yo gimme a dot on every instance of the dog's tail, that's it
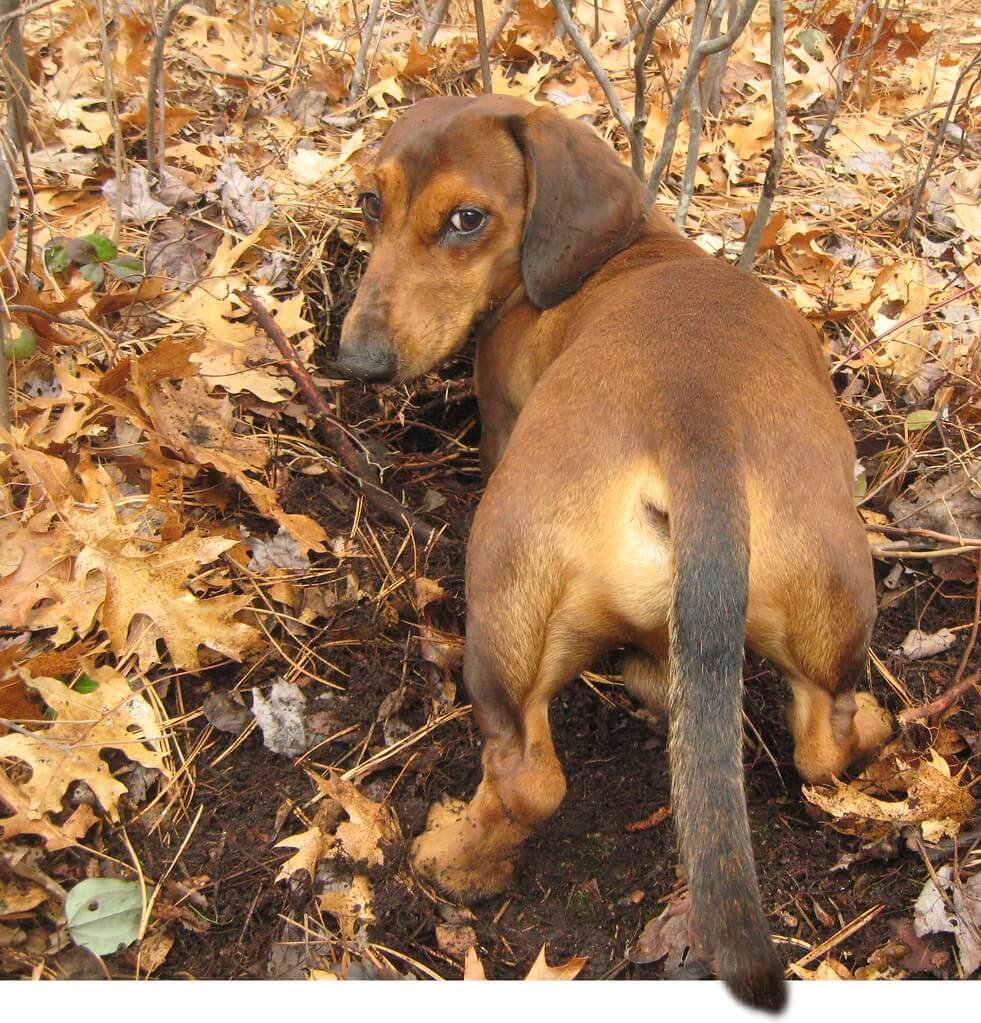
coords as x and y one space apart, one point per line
710 538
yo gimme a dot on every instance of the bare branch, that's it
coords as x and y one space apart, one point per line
593 64
654 19
112 107
840 74
694 120
939 140
432 25
155 89
716 69
482 49
19 12
366 33
778 95
496 32
13 61
704 49
4 391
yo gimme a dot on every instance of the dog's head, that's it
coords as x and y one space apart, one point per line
467 200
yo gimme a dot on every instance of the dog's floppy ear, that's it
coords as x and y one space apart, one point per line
584 205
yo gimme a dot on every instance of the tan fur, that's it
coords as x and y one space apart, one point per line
616 392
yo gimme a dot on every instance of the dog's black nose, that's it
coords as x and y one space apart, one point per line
369 361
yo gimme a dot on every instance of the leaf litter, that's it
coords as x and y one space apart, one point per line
175 531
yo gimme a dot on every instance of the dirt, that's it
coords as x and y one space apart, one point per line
587 883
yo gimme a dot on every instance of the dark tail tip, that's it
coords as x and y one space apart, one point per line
760 986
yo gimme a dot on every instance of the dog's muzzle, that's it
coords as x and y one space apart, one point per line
368 361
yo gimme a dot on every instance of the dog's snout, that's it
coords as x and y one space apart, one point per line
371 360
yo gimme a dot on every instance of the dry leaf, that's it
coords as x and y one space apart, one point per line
934 800
310 848
369 824
568 970
952 907
112 716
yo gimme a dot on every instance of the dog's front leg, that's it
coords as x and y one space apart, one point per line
497 412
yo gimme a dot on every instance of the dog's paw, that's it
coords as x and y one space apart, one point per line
873 725
451 855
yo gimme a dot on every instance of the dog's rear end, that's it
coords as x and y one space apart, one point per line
678 481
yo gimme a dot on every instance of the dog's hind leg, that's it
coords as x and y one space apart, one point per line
469 850
646 678
823 652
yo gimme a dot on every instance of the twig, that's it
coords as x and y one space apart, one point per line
937 144
715 72
927 534
705 49
593 64
4 391
432 26
778 96
366 33
502 22
903 323
19 12
155 89
337 437
495 34
836 939
640 86
694 120
942 702
112 106
840 75
482 47
973 638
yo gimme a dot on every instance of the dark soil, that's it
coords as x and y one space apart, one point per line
587 884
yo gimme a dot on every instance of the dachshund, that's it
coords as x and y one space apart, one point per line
667 472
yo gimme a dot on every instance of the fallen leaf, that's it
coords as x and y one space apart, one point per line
934 800
952 907
104 914
310 848
281 718
370 825
666 936
112 716
18 895
137 205
918 644
568 970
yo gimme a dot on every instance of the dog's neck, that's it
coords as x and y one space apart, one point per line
517 342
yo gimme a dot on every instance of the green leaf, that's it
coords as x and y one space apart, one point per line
104 247
104 914
126 268
23 346
56 258
85 685
93 272
920 420
811 40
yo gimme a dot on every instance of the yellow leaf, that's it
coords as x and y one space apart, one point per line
310 846
112 716
569 970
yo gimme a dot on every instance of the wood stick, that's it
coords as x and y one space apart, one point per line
337 435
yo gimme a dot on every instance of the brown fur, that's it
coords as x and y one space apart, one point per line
668 472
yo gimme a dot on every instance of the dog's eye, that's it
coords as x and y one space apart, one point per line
467 221
371 206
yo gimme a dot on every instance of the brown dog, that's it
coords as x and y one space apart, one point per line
670 474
